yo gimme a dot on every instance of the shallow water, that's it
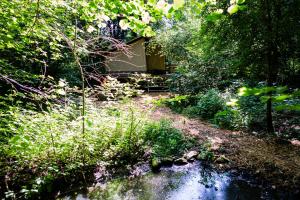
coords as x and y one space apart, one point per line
189 182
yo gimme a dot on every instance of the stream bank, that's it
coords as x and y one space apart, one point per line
191 181
268 159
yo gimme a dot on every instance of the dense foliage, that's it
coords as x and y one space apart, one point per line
216 43
234 111
66 39
44 144
212 44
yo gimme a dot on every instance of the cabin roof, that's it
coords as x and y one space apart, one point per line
134 40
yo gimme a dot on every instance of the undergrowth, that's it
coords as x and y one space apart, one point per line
166 140
50 145
231 111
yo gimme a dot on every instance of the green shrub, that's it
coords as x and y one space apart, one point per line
206 152
227 119
210 103
112 89
164 139
203 105
191 111
183 82
176 103
253 112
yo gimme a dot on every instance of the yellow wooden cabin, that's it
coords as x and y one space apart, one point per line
139 59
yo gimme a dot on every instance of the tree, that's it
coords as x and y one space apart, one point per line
251 40
273 38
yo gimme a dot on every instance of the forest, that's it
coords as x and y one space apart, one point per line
217 116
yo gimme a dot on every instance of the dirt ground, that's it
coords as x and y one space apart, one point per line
273 160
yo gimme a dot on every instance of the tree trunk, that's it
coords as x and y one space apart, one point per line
270 127
273 55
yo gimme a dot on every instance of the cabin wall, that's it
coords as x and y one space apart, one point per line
155 61
136 63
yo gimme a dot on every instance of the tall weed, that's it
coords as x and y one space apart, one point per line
51 144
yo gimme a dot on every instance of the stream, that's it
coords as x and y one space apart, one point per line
189 182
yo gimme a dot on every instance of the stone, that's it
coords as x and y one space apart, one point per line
168 162
101 96
147 154
155 164
191 155
199 157
180 161
295 142
222 159
91 189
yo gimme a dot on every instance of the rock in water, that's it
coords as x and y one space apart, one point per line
180 161
167 162
155 164
191 155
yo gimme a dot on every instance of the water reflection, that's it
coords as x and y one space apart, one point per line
176 183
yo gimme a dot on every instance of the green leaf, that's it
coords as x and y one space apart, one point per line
282 97
124 24
214 17
242 7
288 107
233 9
61 92
90 29
152 2
89 123
240 1
178 4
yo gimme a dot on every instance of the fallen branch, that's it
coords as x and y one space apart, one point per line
18 85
